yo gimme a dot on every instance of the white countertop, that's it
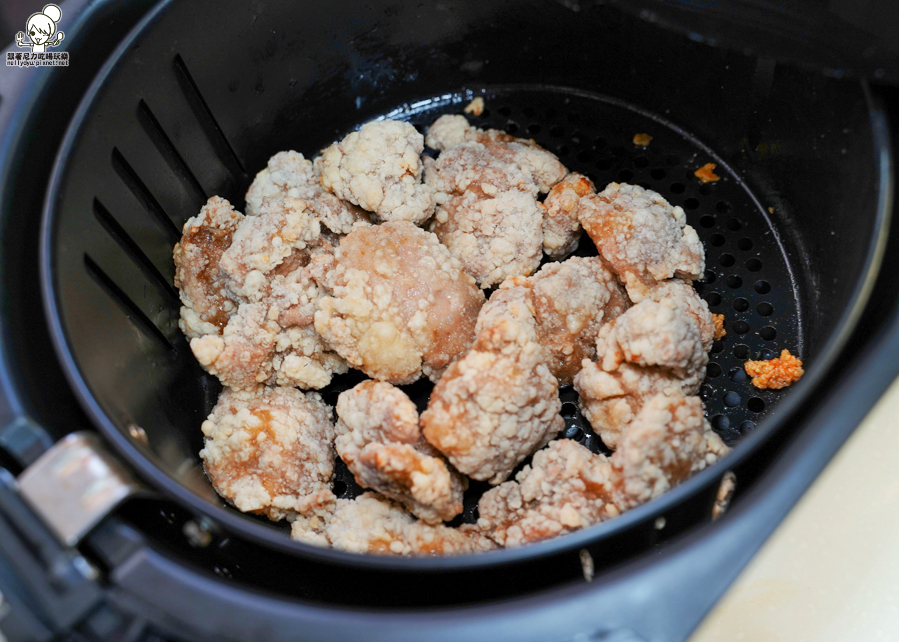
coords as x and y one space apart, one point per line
830 572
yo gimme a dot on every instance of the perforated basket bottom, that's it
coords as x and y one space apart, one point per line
747 279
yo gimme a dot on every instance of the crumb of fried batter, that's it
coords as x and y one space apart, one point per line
706 173
775 373
642 140
770 210
720 332
475 107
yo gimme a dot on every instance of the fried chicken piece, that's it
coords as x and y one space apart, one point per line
379 169
668 442
571 301
706 173
561 227
487 210
288 174
565 488
450 130
475 107
382 445
268 451
498 403
720 332
775 373
371 524
207 305
400 305
659 346
644 239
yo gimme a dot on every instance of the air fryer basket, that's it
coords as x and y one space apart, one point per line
195 101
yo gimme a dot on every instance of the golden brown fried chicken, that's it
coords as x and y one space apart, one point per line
382 445
400 305
566 487
487 210
207 305
379 169
658 346
371 524
268 451
776 373
561 227
571 300
644 239
499 403
288 174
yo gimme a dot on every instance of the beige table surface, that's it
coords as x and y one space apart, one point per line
830 572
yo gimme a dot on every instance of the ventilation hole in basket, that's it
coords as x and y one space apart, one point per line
723 207
556 132
603 164
640 162
705 190
511 128
765 309
534 129
709 276
625 176
619 151
713 299
339 488
705 221
679 188
569 409
717 347
746 426
727 260
768 333
753 265
740 327
766 354
731 399
741 304
720 422
762 287
672 161
644 185
745 244
658 173
733 281
713 370
530 112
706 391
734 225
691 204
755 404
717 240
585 156
741 351
737 375
573 432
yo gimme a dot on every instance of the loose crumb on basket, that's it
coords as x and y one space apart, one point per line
706 173
720 332
770 210
642 140
475 107
775 373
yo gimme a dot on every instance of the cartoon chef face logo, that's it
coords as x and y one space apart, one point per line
41 30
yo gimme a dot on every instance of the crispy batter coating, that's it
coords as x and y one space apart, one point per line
450 130
644 239
207 305
487 210
400 305
561 228
498 403
667 442
379 169
268 451
775 373
566 487
571 300
659 346
475 107
382 445
720 331
288 174
371 524
642 140
706 173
